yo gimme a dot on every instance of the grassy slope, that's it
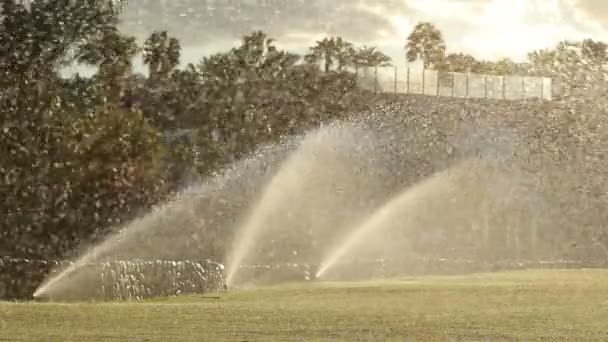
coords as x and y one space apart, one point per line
530 305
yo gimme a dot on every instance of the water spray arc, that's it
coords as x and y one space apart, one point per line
166 232
440 184
60 280
313 182
306 193
287 181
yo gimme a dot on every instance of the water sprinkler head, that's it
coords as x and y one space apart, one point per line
39 297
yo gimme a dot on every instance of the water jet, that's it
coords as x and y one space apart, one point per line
401 207
175 230
316 190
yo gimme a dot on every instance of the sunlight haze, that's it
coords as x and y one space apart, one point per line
486 29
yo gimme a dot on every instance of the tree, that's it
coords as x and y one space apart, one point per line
256 93
235 84
175 103
51 196
247 70
504 66
459 62
323 51
594 51
344 51
77 177
37 39
113 53
577 67
330 51
370 57
162 54
426 43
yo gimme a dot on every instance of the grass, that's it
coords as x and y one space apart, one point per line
548 305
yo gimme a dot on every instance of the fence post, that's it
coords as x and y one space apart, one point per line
542 88
376 80
453 81
395 80
523 87
466 88
437 85
423 80
504 95
407 81
485 86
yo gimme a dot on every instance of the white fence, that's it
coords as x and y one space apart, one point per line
453 84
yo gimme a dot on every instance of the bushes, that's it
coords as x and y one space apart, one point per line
116 280
70 177
19 278
148 279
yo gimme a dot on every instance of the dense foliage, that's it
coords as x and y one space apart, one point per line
82 155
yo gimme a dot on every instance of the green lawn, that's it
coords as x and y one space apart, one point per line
545 305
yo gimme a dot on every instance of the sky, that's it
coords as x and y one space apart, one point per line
493 29
487 29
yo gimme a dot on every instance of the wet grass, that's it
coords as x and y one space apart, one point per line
546 305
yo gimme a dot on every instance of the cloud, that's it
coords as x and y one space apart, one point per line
489 29
194 22
596 10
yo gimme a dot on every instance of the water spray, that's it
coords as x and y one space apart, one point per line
437 185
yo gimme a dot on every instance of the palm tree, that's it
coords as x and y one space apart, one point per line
258 53
426 43
323 51
344 52
370 57
329 51
162 54
113 53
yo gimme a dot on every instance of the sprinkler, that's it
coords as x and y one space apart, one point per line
312 273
